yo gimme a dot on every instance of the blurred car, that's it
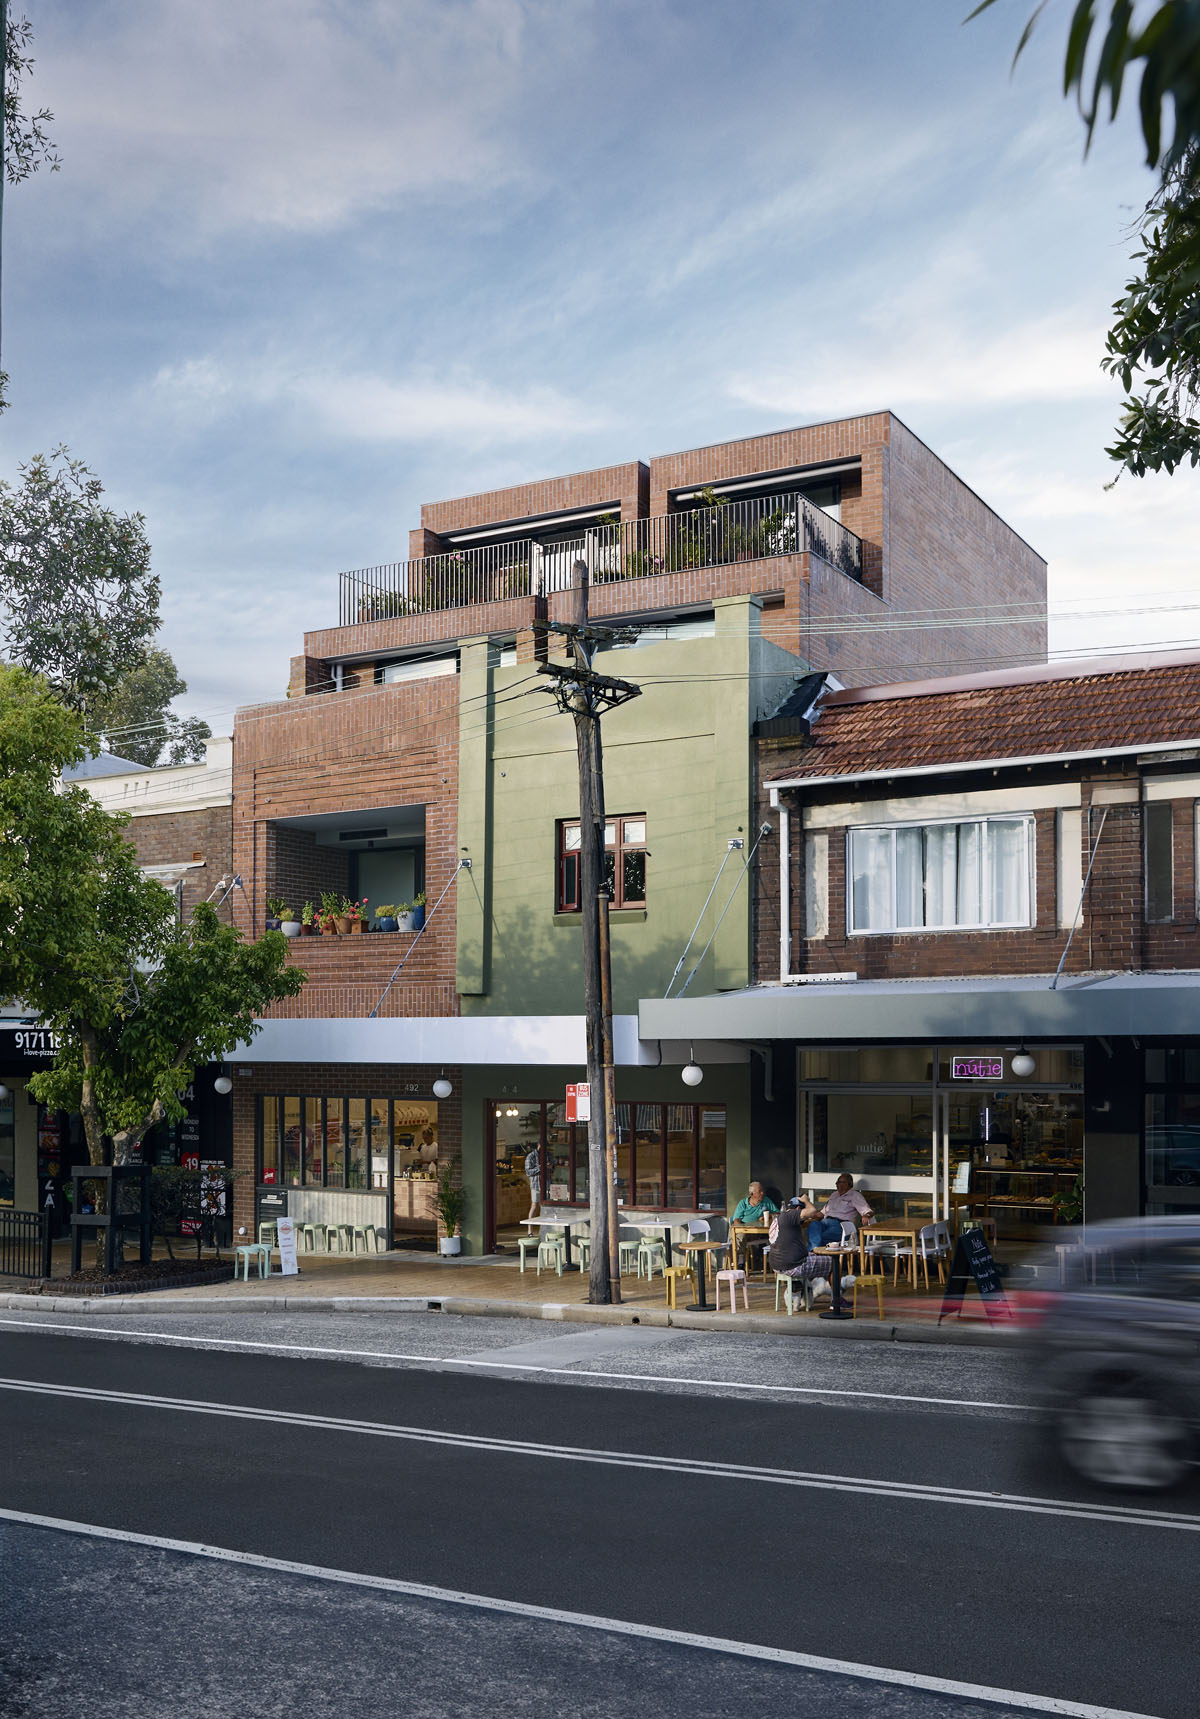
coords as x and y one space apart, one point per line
1116 1353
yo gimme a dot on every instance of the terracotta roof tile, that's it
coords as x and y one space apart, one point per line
872 733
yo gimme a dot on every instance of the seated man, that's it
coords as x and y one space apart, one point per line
754 1209
846 1204
790 1253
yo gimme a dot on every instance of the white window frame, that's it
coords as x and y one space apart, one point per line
894 930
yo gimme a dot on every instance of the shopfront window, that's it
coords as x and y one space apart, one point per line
1172 1164
866 1134
8 1151
351 1143
669 1156
268 1150
899 1065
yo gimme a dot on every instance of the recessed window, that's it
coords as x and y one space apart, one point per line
940 877
624 862
1160 882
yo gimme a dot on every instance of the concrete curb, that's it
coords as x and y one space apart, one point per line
970 1333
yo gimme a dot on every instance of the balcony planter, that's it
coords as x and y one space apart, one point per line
418 914
356 926
272 924
329 928
404 921
385 922
342 922
291 927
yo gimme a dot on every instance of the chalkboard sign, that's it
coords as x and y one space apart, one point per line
973 1259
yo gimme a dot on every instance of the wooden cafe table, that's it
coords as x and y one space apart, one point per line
700 1249
902 1229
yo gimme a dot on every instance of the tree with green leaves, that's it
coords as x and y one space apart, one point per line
138 1000
135 719
1153 346
24 141
78 601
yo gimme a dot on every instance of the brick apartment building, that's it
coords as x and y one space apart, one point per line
418 753
978 947
180 822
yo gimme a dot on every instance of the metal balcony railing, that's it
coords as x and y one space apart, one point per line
636 549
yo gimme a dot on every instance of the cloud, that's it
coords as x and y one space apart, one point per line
367 408
286 114
935 364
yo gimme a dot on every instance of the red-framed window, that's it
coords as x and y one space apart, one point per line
624 862
670 1157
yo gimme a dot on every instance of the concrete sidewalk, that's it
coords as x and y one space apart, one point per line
496 1287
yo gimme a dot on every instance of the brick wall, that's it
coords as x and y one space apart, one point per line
173 838
355 751
1113 934
625 487
334 1080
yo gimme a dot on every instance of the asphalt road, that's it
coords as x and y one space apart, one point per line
903 1528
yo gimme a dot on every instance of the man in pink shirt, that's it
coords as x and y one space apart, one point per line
846 1204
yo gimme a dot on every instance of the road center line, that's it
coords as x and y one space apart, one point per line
584 1620
248 1346
1129 1516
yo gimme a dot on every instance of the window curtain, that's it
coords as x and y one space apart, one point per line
871 879
910 880
941 874
1009 868
970 875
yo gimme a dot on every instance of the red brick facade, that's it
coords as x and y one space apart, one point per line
201 839
333 1080
930 545
1150 708
377 747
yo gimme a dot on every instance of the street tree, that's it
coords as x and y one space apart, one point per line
138 1000
78 601
1153 346
135 718
24 141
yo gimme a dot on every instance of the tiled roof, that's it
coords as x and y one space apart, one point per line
987 719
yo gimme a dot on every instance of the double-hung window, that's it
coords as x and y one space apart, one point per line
624 862
940 877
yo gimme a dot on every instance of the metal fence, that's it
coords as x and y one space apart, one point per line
24 1244
636 549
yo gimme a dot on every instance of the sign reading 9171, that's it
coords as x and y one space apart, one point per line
35 1042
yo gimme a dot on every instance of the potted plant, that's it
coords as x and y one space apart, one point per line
418 911
449 1202
385 916
308 920
356 911
276 908
404 916
331 905
288 923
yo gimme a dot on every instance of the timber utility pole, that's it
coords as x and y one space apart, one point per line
585 696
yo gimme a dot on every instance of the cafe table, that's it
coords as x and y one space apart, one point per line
899 1229
701 1249
746 1232
665 1224
561 1221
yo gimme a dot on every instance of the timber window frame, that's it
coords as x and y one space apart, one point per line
624 862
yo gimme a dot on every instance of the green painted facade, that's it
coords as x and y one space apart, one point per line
681 754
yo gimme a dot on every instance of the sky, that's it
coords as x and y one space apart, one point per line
309 263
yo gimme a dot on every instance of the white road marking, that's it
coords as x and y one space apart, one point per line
585 1620
1123 1515
247 1346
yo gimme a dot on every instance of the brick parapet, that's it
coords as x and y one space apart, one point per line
622 486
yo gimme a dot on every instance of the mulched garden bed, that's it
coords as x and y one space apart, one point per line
134 1279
